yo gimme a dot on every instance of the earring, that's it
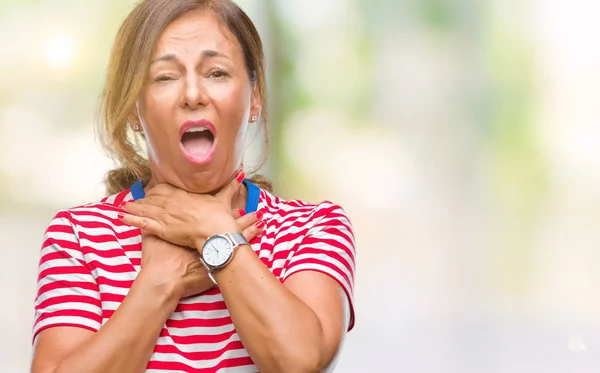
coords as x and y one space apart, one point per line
137 127
253 118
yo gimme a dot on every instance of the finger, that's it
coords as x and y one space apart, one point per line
248 219
230 189
238 213
254 230
143 210
147 225
154 200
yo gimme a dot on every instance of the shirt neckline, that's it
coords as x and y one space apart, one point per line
137 192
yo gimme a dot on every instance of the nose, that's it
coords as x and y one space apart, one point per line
194 95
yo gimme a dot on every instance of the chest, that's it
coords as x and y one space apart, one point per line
116 261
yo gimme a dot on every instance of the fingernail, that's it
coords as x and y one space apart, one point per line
261 224
242 212
240 176
123 204
121 215
259 215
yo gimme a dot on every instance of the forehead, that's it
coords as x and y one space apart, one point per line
195 31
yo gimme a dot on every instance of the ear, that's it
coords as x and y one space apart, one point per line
255 101
134 120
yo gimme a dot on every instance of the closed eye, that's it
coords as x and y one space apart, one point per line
163 78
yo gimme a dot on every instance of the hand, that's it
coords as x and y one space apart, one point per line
171 269
177 270
183 218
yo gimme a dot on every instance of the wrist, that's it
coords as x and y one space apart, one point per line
164 293
224 225
243 254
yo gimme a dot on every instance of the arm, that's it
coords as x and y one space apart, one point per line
68 333
293 328
297 326
124 344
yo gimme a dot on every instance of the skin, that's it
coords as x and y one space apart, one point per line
125 343
293 327
196 73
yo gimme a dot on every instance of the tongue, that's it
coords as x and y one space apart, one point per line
197 144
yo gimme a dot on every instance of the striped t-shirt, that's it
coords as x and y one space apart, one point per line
89 259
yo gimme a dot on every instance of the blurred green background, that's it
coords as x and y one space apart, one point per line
461 137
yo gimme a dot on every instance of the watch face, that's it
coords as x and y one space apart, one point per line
216 251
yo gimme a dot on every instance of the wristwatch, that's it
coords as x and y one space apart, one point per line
218 251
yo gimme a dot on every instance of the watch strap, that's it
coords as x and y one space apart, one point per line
237 239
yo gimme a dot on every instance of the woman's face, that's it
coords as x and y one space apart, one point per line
196 104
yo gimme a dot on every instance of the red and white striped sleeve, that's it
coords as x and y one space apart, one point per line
328 248
67 293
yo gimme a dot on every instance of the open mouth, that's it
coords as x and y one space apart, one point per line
198 140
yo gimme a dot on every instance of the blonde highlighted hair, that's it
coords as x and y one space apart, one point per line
128 69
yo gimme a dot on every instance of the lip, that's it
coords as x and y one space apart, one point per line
198 123
211 153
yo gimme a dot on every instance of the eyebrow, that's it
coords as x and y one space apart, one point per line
208 53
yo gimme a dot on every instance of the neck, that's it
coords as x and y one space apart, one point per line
239 199
238 202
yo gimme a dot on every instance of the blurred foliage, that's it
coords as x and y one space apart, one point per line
437 14
426 115
516 172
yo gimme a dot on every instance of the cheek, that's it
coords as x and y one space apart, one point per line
233 104
157 101
225 94
168 92
155 109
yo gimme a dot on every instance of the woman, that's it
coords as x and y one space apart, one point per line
187 266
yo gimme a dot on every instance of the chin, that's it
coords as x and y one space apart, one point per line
192 178
202 182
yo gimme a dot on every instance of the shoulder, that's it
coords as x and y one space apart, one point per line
97 214
302 212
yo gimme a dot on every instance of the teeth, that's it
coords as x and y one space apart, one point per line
197 129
